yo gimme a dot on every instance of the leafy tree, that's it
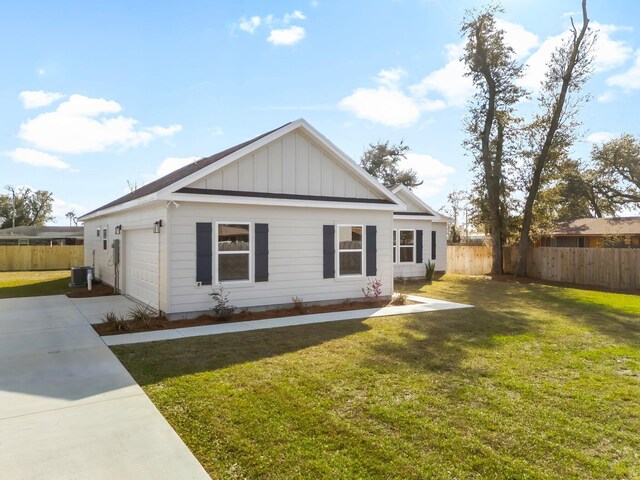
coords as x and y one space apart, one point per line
552 131
381 160
616 170
456 203
491 122
24 207
72 217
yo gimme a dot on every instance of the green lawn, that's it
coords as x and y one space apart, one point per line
31 284
536 382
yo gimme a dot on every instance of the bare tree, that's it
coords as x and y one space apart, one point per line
491 122
552 130
72 217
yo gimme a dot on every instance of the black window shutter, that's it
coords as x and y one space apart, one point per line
204 246
433 245
418 246
372 251
329 251
262 252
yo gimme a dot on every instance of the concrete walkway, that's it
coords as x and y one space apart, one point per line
69 409
422 305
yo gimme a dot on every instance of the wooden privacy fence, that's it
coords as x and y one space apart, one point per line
15 258
615 268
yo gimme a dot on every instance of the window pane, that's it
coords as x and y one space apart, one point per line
394 237
233 238
350 263
394 254
406 237
350 238
406 254
234 266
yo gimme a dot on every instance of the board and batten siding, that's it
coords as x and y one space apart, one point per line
138 218
295 255
293 164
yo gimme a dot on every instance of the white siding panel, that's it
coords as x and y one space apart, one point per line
138 218
293 164
295 255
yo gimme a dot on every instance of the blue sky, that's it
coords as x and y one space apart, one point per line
98 93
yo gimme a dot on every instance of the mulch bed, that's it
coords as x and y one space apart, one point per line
98 289
161 323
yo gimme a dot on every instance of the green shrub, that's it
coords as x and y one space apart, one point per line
120 324
399 299
221 306
298 304
430 270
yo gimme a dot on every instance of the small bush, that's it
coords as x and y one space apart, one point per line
120 324
143 314
298 304
373 288
221 306
399 299
430 268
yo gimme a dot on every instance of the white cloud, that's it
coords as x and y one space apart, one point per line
606 97
286 36
36 158
38 98
61 207
385 104
82 124
449 82
296 15
607 53
599 137
171 164
249 25
434 173
520 39
164 131
216 131
629 80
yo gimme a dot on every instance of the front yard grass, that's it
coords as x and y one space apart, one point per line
536 382
31 284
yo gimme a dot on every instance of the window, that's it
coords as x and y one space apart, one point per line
104 238
407 246
233 252
98 232
349 250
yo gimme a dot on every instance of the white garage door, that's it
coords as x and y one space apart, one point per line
141 266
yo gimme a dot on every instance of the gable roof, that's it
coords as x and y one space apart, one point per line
182 177
424 209
41 232
600 226
179 174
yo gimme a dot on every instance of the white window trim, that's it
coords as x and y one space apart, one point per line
398 246
338 250
249 253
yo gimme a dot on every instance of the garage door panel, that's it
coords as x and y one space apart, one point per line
142 266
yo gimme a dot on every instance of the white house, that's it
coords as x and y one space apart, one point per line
419 235
284 214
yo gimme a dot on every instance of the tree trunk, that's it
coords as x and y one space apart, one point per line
542 158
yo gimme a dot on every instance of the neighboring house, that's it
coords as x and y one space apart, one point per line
622 232
50 236
419 235
284 214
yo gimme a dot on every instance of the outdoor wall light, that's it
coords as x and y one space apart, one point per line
156 226
118 229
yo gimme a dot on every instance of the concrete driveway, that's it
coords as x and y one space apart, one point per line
68 408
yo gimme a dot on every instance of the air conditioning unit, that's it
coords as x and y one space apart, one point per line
79 276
